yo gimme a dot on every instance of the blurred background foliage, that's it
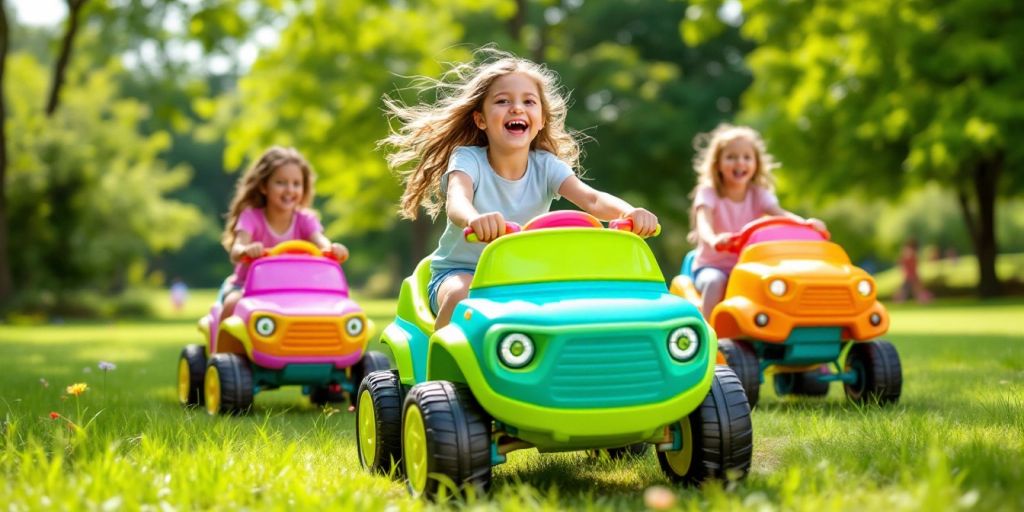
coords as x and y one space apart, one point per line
892 119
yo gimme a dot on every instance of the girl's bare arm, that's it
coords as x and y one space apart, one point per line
605 206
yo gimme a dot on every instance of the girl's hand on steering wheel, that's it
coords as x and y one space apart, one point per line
340 252
817 224
488 226
645 223
720 240
253 250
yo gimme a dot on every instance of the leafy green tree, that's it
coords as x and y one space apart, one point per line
173 53
86 192
882 96
320 89
5 266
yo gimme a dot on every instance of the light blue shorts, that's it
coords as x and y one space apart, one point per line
437 279
227 287
703 278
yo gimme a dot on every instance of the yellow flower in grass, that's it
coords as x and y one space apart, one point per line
77 389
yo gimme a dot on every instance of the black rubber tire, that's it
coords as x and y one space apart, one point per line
371 362
801 383
879 373
723 436
458 435
236 389
195 356
743 360
386 396
629 451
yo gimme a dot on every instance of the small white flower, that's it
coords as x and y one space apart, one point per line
106 366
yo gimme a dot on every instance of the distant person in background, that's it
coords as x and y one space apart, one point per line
912 285
179 294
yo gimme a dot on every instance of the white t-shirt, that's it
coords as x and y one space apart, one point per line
518 201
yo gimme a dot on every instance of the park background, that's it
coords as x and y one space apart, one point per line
127 122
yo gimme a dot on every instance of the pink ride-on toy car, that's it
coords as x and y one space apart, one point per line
295 325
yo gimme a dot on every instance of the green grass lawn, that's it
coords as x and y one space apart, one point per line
955 441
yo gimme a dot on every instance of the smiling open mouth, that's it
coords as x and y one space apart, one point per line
517 126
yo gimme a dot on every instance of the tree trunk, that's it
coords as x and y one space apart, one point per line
60 68
6 288
420 240
981 225
517 21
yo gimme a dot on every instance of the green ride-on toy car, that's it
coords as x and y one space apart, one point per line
569 340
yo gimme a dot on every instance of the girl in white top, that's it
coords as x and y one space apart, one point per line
494 147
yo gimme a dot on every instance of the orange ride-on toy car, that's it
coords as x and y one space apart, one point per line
795 307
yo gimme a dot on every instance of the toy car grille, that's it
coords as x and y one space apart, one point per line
606 371
826 299
312 337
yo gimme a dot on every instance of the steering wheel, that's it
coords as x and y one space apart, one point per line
296 247
510 227
736 242
563 219
627 225
556 219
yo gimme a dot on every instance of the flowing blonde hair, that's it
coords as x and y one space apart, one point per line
247 189
709 153
430 132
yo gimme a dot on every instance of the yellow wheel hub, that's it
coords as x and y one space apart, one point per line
184 381
681 459
367 423
212 387
414 447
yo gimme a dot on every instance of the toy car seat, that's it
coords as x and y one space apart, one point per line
415 297
686 269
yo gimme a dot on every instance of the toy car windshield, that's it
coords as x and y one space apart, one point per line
313 275
779 233
529 257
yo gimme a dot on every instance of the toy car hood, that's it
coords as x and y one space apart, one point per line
799 258
563 303
297 304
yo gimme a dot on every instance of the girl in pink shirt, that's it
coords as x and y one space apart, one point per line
271 205
734 187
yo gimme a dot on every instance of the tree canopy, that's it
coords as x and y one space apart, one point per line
880 97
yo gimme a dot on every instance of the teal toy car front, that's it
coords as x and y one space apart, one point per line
569 340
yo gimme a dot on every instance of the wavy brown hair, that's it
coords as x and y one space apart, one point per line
429 132
247 189
709 152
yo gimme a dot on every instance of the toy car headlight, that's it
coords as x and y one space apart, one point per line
354 326
864 287
683 343
516 350
778 287
265 326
